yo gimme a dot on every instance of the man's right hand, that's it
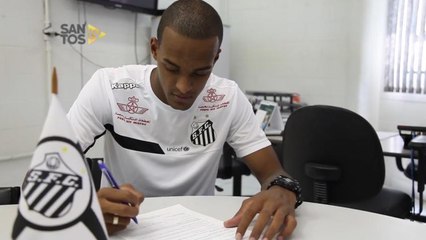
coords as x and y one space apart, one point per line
112 202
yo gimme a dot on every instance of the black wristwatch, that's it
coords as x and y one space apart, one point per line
289 184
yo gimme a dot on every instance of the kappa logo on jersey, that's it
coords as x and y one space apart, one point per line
132 106
203 133
212 96
124 86
49 187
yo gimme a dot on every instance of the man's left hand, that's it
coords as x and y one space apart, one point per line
275 209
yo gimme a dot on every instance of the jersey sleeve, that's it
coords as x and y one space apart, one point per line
91 110
245 135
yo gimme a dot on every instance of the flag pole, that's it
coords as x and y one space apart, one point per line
54 82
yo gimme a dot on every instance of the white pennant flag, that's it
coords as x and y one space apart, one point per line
58 199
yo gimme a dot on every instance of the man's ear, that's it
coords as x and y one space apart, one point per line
217 55
154 47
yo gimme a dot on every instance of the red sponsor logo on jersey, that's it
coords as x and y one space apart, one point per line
132 106
212 96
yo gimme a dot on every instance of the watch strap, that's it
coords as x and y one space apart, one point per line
289 184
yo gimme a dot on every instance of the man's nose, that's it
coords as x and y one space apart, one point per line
184 84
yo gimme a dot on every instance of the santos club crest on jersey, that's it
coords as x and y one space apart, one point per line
202 133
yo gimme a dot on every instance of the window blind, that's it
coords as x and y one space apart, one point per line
405 67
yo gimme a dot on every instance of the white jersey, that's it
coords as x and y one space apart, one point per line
160 150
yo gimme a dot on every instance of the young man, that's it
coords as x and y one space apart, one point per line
167 125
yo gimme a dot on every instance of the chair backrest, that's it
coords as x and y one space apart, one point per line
337 137
225 164
10 195
95 171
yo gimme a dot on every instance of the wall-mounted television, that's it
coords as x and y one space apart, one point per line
153 7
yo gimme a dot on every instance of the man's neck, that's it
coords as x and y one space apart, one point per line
155 85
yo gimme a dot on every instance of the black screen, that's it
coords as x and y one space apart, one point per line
142 6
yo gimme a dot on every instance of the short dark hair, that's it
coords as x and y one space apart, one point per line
192 18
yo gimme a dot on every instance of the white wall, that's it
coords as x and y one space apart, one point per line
22 75
367 33
292 46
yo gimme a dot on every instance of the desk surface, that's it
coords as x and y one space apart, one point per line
315 221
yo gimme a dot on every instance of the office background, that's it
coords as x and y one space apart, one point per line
328 51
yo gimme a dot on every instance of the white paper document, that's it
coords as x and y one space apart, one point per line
177 222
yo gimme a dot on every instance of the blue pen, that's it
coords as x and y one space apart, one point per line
111 180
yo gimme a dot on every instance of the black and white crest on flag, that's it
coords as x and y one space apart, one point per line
55 189
203 133
50 187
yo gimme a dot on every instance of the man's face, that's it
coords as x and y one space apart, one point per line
184 66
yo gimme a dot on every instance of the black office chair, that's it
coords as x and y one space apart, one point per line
419 173
337 157
407 133
231 167
10 195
